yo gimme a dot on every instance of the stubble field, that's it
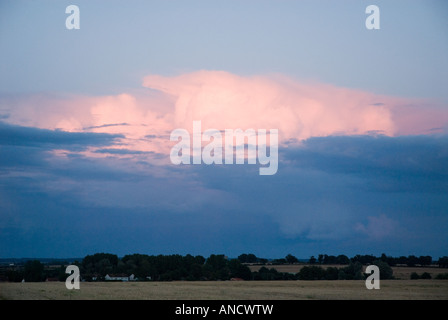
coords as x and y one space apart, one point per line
229 290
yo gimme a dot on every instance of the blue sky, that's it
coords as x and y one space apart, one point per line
119 43
85 117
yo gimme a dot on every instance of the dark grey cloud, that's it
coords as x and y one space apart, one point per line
358 194
405 162
122 151
108 125
14 135
158 136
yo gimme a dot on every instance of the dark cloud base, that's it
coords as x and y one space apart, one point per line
334 195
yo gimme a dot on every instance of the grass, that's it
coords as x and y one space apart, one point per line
229 290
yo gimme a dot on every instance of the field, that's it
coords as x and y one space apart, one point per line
400 273
229 290
401 288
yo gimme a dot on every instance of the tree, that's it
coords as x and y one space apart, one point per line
291 259
351 272
33 271
216 268
342 259
247 258
412 261
425 260
239 270
443 262
99 263
311 273
312 260
386 271
320 258
442 276
14 276
414 276
332 273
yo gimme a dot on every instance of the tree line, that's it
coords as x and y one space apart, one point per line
216 267
409 261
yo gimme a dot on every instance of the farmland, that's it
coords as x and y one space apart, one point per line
400 273
229 290
400 287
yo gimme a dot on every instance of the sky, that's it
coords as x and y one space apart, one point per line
86 117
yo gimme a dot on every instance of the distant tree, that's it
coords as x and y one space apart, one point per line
216 261
386 271
312 260
311 273
414 276
248 258
351 272
364 259
99 263
14 276
216 268
33 271
402 260
196 272
199 260
412 261
251 258
331 273
425 260
389 260
320 258
342 275
359 275
279 261
239 270
342 259
291 259
425 275
442 276
62 276
443 262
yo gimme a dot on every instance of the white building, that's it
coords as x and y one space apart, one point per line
119 277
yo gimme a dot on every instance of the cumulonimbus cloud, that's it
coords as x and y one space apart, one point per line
299 110
221 100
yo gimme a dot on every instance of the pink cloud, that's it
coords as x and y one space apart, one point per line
222 100
299 110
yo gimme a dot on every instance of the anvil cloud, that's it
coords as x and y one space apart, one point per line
355 167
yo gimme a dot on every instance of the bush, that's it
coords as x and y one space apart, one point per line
311 273
442 276
424 275
332 273
386 271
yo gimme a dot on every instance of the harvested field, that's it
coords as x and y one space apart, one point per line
229 290
400 273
